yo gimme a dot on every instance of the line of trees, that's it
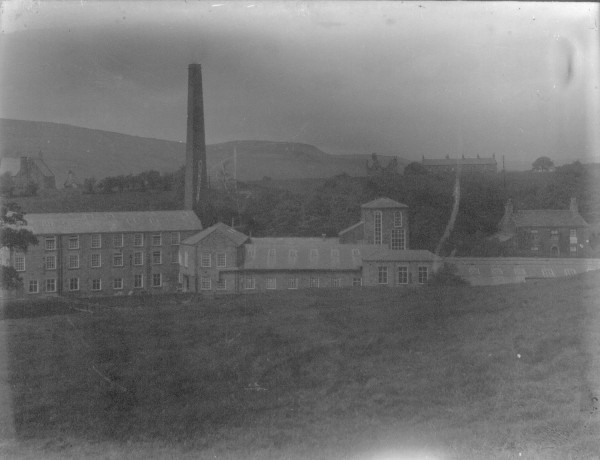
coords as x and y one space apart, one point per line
144 181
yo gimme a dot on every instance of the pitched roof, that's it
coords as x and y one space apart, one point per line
383 203
459 161
237 237
43 167
382 253
548 218
10 165
302 254
109 222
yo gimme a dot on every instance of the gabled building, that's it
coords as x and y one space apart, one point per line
466 165
544 232
25 171
223 259
383 222
104 253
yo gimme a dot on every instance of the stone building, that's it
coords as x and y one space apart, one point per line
466 165
544 232
104 253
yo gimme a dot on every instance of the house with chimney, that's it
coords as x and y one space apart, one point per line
466 165
544 232
24 172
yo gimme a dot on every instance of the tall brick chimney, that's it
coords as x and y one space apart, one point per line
196 183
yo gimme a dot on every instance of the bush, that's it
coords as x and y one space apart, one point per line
447 276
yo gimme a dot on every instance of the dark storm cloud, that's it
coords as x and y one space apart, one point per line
391 78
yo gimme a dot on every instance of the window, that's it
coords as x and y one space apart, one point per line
548 272
118 240
397 219
157 257
336 282
175 237
423 275
186 259
204 260
570 271
96 285
402 275
313 282
271 257
534 248
51 285
335 256
535 235
520 271
118 283
156 279
221 285
20 263
157 239
355 252
138 281
378 227
175 256
497 272
292 283
398 240
96 260
118 259
138 239
382 275
221 260
74 284
96 241
33 287
474 271
553 234
50 262
314 255
205 283
357 281
271 283
293 255
250 283
573 248
573 236
138 258
74 242
51 243
73 260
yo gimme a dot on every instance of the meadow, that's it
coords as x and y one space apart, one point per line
497 372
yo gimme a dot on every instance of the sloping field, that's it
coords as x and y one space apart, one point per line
496 372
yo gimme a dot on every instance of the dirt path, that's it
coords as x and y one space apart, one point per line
592 335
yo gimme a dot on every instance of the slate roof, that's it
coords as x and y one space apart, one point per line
109 222
548 218
43 167
237 237
459 161
383 203
302 254
382 253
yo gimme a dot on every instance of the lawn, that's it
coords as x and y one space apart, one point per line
441 373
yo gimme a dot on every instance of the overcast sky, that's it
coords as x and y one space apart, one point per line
407 79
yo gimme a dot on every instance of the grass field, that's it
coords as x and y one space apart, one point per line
441 373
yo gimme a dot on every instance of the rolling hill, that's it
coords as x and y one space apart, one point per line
90 152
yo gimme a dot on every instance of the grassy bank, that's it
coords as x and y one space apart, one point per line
487 372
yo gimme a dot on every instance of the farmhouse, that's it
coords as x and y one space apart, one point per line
98 253
466 165
545 232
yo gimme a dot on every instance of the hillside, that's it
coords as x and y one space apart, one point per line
446 373
90 152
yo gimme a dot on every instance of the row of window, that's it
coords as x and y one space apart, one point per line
553 234
402 275
271 283
73 261
117 283
118 240
554 249
206 260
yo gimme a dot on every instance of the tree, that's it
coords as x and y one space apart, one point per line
89 185
543 164
12 237
415 168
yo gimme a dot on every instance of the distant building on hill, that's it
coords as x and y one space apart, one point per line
450 165
545 232
24 171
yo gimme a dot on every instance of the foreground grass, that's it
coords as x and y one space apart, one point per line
487 372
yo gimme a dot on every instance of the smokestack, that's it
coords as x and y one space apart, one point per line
196 184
